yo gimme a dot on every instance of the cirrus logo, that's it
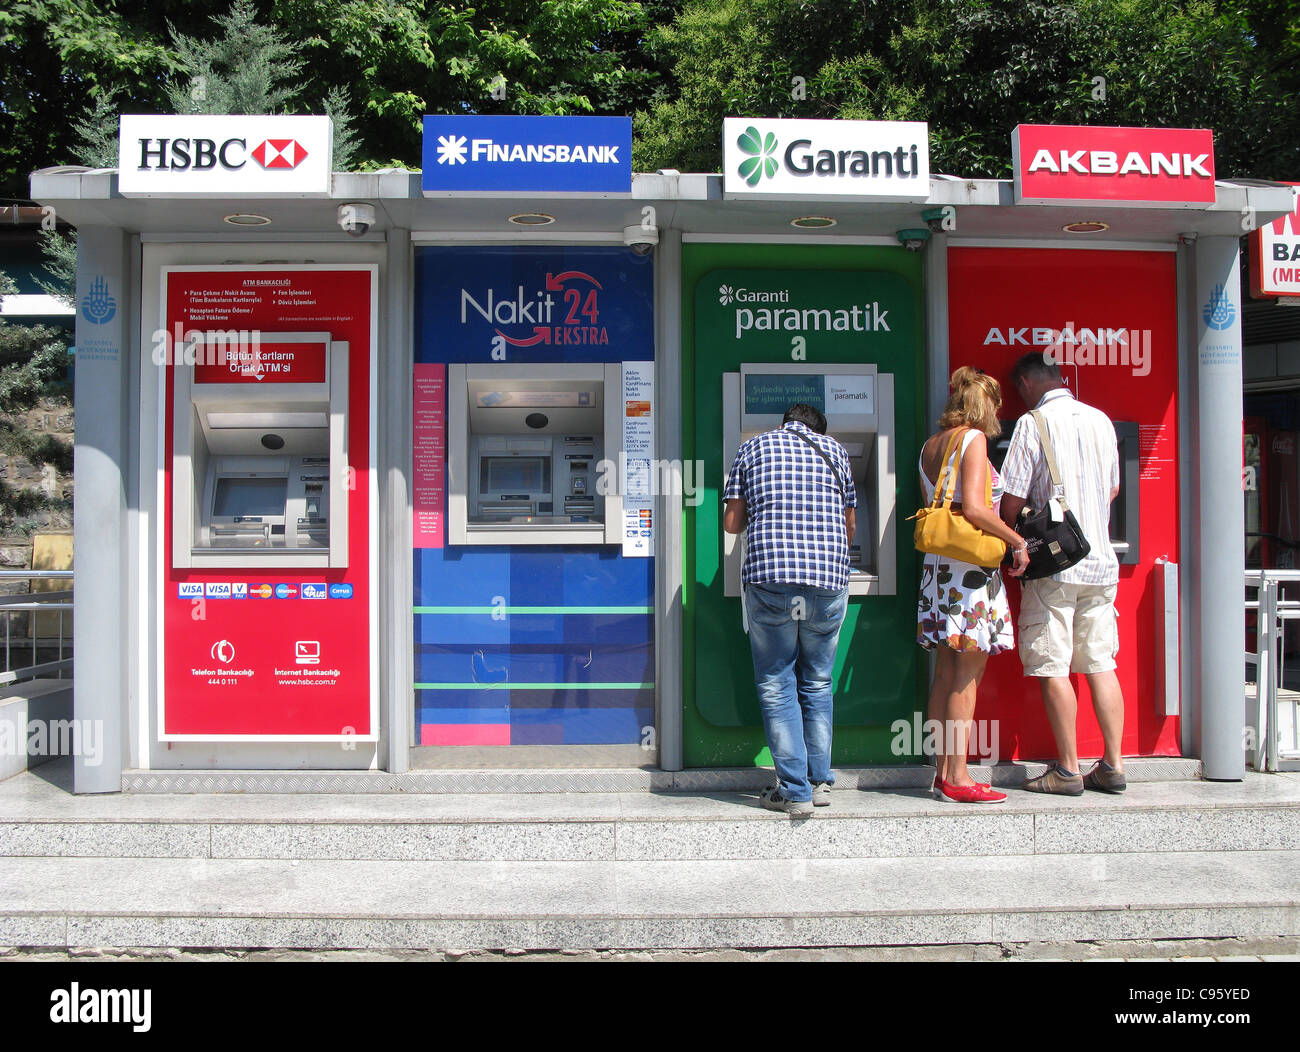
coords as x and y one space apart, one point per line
762 160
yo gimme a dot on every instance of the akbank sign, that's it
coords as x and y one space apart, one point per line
225 156
837 160
527 155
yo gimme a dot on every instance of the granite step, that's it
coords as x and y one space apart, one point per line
40 819
75 903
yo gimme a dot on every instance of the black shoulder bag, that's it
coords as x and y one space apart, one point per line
1055 540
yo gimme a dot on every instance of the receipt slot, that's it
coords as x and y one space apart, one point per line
532 452
259 473
859 406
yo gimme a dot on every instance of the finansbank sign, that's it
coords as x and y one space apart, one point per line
834 160
469 154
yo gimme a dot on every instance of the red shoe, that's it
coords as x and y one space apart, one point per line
939 783
971 794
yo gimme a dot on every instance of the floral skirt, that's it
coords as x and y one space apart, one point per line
962 606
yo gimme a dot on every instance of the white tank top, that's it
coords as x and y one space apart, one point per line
927 487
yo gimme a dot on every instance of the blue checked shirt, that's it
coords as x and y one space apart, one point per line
796 513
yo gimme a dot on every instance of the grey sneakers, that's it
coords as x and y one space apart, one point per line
1105 780
773 800
822 794
1053 781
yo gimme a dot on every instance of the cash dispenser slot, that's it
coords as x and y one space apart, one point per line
858 402
259 455
525 445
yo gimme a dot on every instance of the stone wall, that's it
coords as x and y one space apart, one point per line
51 416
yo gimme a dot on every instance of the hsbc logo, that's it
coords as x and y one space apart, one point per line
204 155
279 153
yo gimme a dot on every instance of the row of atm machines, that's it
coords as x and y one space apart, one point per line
261 474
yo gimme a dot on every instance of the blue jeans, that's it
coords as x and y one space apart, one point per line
793 630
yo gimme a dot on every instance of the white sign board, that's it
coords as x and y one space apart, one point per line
224 156
830 160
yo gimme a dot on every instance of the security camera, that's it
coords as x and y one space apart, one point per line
356 218
913 240
934 218
641 239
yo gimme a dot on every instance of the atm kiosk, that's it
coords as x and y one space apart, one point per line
534 454
259 473
858 403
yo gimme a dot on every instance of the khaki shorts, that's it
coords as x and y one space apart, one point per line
1066 628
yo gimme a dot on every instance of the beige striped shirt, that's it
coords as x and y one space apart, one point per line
1087 456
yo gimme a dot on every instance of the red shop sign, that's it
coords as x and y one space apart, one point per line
1073 164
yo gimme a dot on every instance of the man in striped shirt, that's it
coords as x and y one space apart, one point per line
1067 621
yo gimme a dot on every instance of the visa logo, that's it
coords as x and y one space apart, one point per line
314 591
340 591
239 590
218 590
285 591
189 590
261 591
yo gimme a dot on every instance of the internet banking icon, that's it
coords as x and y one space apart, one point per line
307 652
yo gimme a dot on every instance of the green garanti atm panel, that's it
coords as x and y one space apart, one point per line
809 311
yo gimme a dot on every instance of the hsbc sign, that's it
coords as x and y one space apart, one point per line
224 156
1157 167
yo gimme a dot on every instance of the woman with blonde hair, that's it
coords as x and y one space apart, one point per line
962 611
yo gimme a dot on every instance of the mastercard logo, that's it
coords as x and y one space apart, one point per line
260 591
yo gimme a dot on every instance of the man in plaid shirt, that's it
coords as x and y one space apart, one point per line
793 489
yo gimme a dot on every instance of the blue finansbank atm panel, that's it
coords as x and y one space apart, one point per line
532 627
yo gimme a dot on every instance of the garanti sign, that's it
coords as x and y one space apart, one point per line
224 156
836 160
527 155
1156 167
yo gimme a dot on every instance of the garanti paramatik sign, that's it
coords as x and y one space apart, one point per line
224 156
835 160
1073 164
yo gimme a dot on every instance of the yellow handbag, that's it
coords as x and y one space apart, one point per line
942 531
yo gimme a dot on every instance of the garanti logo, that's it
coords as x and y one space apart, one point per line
763 160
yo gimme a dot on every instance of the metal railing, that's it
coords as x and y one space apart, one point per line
35 604
1276 734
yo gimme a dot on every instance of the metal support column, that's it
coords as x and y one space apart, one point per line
1221 545
668 506
104 297
397 656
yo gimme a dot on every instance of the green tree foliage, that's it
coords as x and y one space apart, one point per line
976 68
34 364
386 62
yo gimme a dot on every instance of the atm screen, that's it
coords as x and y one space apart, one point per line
515 475
256 496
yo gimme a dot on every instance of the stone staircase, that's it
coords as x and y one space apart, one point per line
447 870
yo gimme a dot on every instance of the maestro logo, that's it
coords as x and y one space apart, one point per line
762 160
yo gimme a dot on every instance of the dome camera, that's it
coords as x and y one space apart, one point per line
640 239
356 218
